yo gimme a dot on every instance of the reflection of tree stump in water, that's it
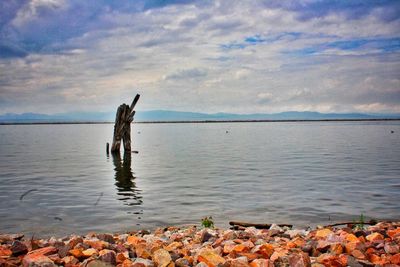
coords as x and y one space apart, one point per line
124 180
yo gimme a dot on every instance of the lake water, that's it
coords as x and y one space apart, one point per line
57 179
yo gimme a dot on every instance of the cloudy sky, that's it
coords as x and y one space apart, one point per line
208 56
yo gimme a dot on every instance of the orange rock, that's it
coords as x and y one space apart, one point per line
134 240
375 237
300 242
336 248
142 251
5 252
239 262
291 244
250 256
120 257
228 247
240 248
395 259
127 263
358 254
69 260
37 259
394 233
89 252
375 259
162 258
96 244
351 238
44 251
261 263
323 233
278 254
343 259
266 250
210 258
173 246
77 253
352 246
329 260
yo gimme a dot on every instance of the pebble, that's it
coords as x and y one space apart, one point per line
192 246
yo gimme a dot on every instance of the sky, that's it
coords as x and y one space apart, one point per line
237 56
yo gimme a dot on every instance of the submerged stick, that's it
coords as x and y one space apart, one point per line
258 225
98 199
371 222
27 192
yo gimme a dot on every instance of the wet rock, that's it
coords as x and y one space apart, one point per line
18 248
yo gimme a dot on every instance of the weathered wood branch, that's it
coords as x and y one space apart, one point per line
258 225
122 126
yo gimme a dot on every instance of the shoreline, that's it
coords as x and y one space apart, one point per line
196 121
362 245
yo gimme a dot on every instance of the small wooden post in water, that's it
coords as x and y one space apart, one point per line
122 126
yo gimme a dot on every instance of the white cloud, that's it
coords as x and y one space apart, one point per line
174 57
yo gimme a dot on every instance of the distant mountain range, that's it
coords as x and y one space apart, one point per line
167 115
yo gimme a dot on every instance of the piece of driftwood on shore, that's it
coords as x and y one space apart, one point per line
258 225
371 222
122 126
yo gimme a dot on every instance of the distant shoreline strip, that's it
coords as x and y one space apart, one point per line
201 121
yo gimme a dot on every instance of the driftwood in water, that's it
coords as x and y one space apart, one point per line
258 225
122 126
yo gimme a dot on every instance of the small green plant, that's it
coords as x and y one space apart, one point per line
207 222
360 224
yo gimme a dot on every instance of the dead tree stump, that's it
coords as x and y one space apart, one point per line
122 126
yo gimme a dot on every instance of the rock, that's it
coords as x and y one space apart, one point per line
5 252
95 263
89 252
358 254
239 262
145 262
75 241
108 256
329 260
323 246
173 246
106 237
210 258
390 248
261 263
10 238
39 257
69 260
374 237
395 259
266 250
77 253
323 233
18 248
205 236
202 264
394 233
336 248
161 258
282 261
182 262
299 260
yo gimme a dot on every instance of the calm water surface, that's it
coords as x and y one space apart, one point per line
57 179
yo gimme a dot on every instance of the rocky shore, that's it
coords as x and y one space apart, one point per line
376 245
